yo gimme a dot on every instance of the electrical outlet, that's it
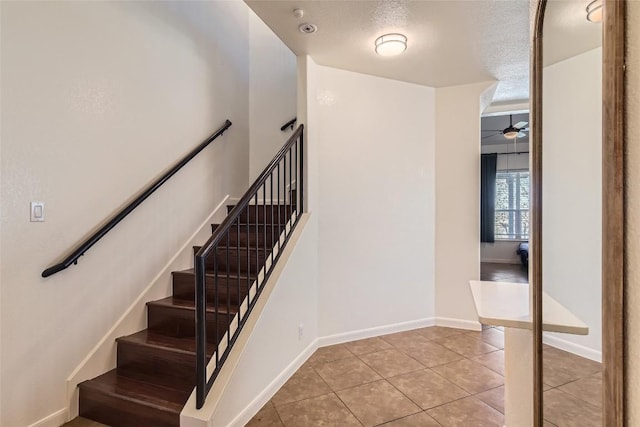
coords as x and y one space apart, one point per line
300 331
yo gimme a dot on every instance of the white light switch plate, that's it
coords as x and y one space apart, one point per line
37 211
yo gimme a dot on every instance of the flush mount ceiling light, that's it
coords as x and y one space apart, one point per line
594 11
391 44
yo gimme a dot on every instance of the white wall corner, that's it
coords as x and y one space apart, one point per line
102 357
487 96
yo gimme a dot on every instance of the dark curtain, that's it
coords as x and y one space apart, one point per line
488 197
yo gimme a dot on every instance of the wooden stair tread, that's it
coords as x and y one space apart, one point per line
143 393
177 303
147 338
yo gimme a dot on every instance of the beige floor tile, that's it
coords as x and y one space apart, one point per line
376 403
588 389
564 410
435 332
368 345
561 367
417 420
427 389
466 345
493 398
408 339
326 411
389 363
266 417
305 383
329 354
432 354
493 361
467 412
470 376
548 424
341 374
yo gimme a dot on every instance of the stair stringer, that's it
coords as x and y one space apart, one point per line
207 416
102 357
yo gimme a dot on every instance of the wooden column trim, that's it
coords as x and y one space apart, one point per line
613 217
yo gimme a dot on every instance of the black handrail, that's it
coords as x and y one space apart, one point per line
72 258
293 154
290 124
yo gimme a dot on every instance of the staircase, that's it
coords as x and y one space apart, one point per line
156 367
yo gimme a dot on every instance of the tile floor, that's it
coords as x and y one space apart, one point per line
430 377
427 377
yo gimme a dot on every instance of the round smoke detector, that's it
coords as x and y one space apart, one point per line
307 28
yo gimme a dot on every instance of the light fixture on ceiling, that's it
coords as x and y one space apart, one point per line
594 11
391 44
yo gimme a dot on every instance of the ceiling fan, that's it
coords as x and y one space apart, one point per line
510 132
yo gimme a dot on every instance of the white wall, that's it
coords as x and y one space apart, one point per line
572 190
375 180
97 99
272 96
632 213
457 250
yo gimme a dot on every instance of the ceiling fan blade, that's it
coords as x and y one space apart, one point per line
522 134
520 124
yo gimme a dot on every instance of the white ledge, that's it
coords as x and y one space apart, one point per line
507 304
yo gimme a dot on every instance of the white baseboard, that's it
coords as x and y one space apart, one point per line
472 325
252 409
374 332
502 261
54 420
577 349
103 356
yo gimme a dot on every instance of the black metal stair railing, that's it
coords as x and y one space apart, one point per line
271 208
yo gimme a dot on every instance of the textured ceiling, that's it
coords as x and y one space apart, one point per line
450 42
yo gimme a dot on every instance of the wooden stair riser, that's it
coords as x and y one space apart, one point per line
160 366
234 260
265 214
249 234
113 410
180 322
227 288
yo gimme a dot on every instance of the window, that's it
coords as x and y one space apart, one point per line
512 205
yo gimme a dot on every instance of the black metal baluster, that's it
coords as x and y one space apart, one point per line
238 266
257 244
201 333
248 256
228 295
301 169
295 173
279 232
264 226
273 240
290 188
215 304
